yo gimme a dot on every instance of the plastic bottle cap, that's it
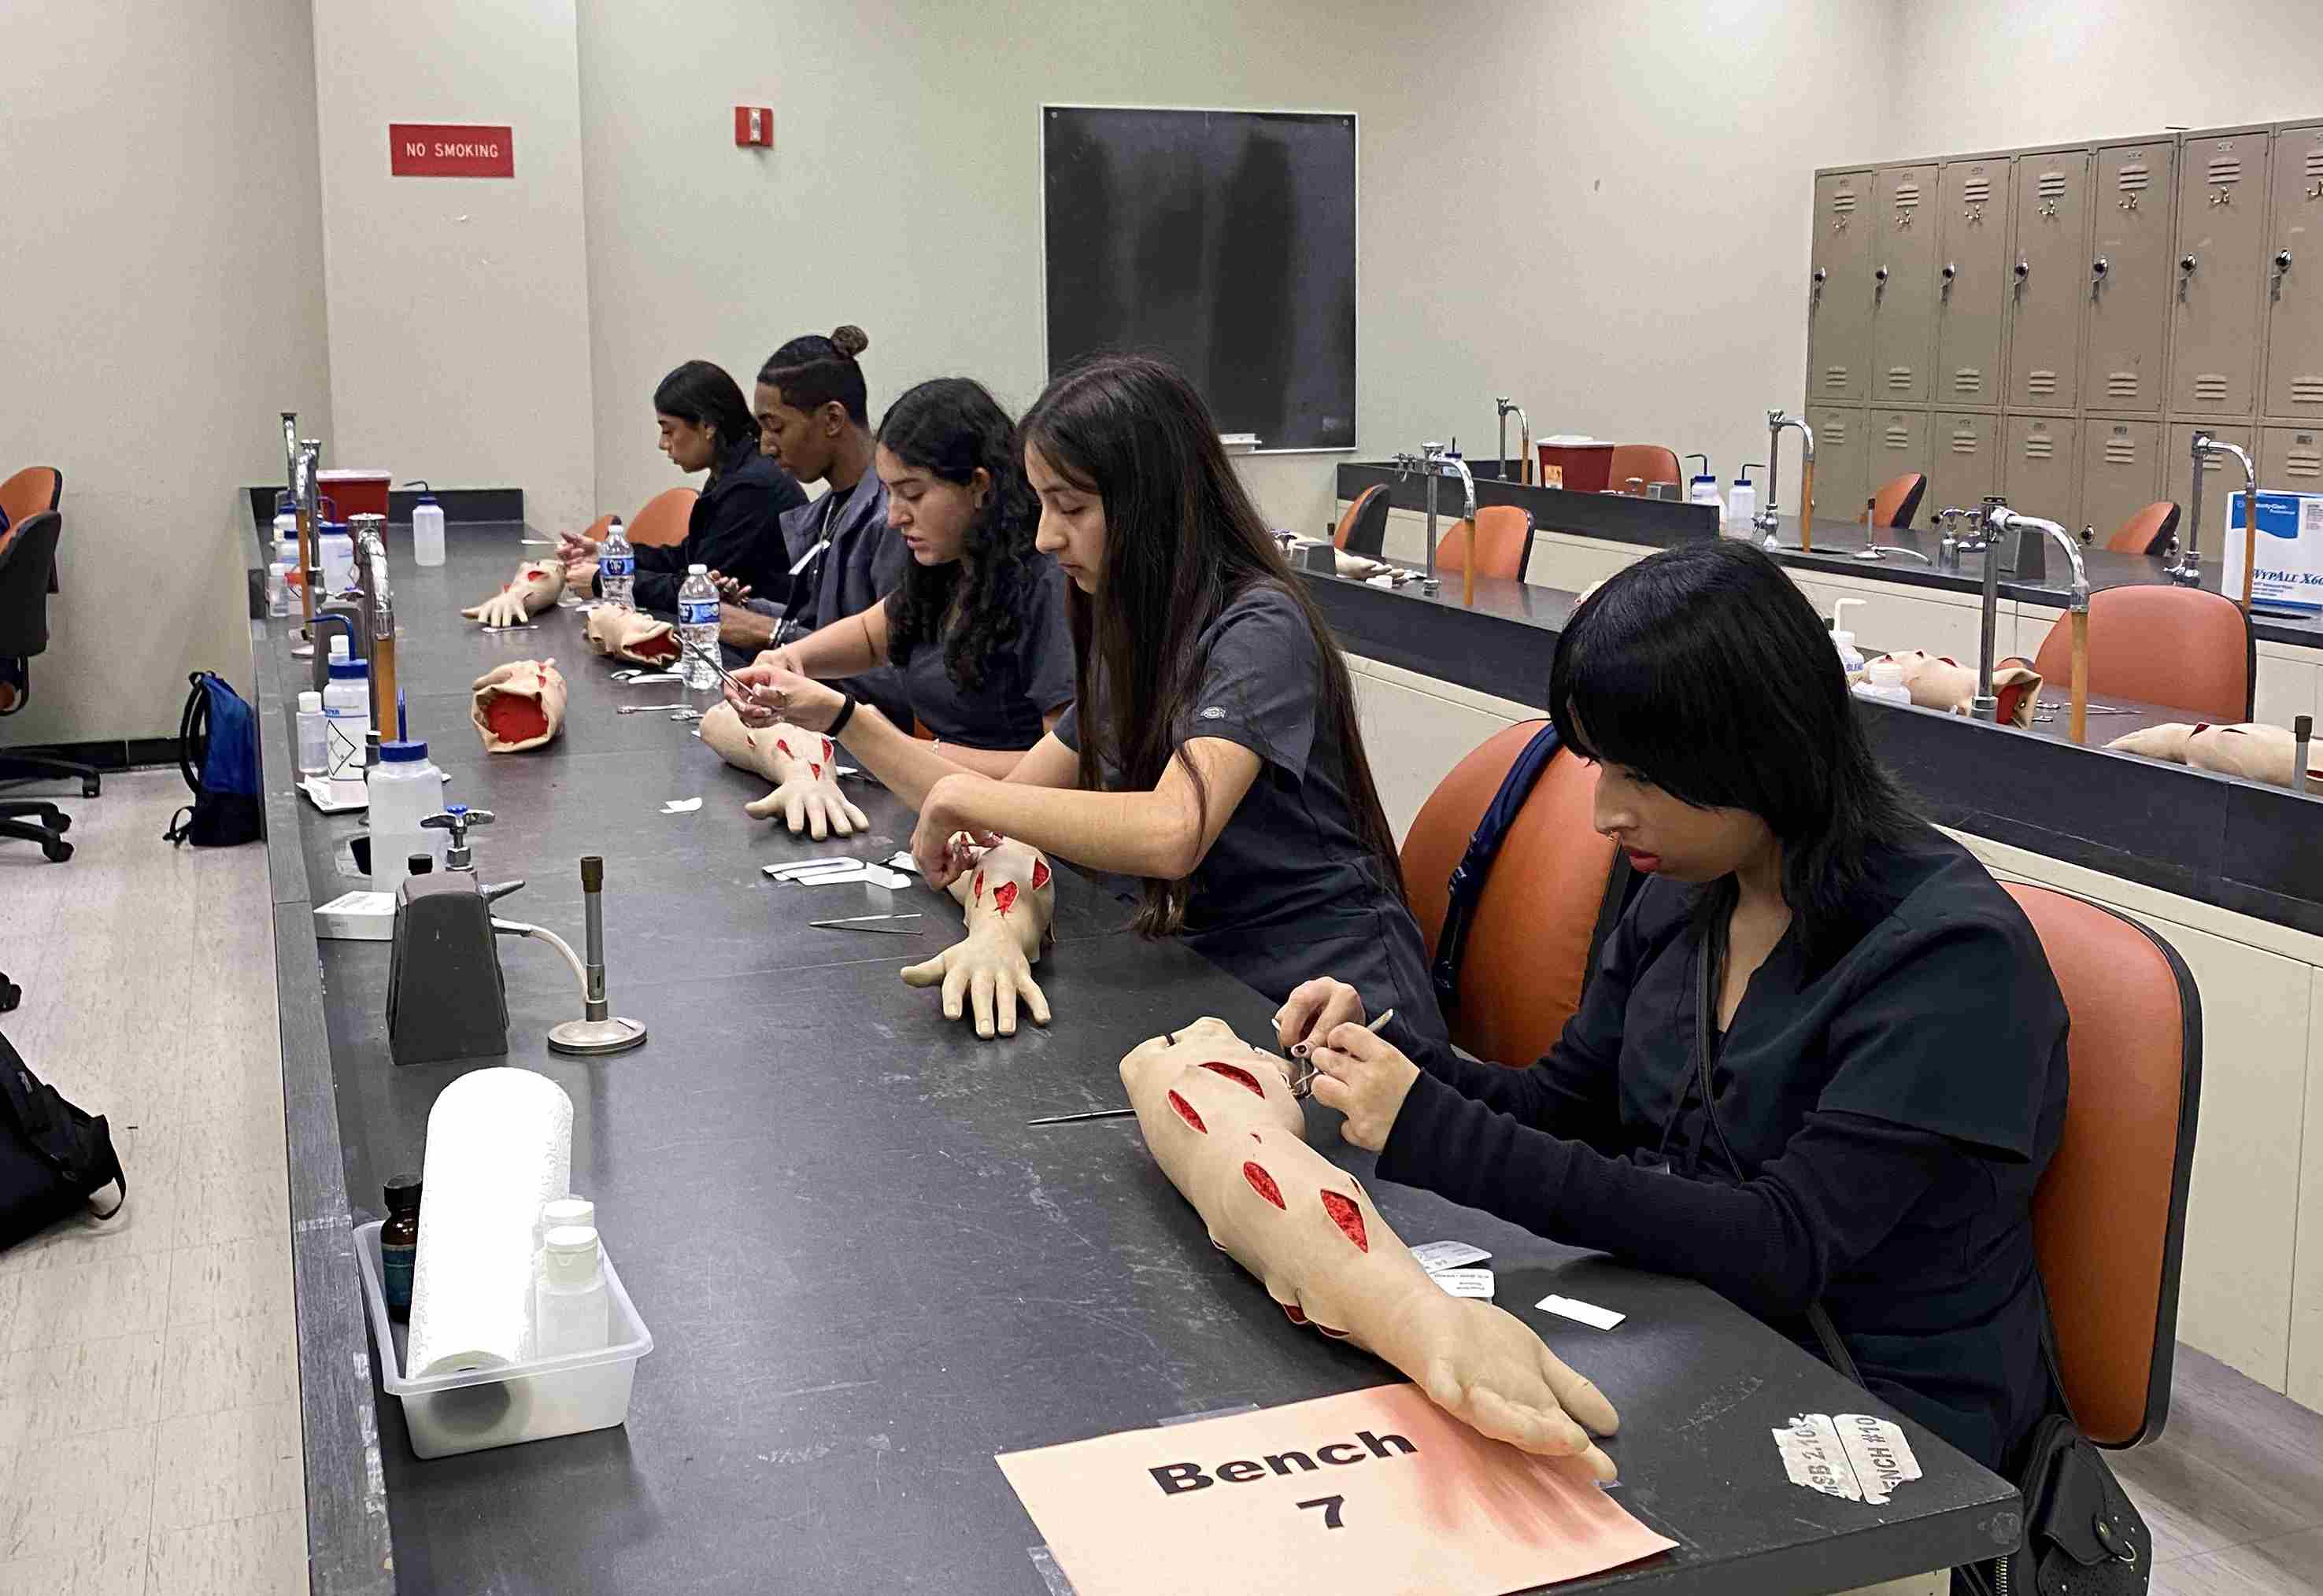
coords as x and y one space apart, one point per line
697 570
560 1213
349 670
569 1255
338 646
409 751
402 1192
310 703
1844 640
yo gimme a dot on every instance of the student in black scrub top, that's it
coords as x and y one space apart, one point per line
1887 1044
1212 751
976 628
735 525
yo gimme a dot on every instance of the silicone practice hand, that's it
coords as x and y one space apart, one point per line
2253 750
1362 567
624 634
1219 1118
1010 898
537 586
803 765
518 705
1938 682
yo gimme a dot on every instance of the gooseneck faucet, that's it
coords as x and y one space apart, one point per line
1995 522
1767 519
1524 440
2188 571
377 619
1434 459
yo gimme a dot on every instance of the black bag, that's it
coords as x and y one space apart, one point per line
217 753
53 1156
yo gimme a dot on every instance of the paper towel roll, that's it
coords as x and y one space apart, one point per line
500 1144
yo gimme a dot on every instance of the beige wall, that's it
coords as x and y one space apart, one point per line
459 307
160 301
1997 74
1637 274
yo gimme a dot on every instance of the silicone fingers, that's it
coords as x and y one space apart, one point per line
979 992
765 807
1548 1432
955 986
1580 1396
926 972
1036 1002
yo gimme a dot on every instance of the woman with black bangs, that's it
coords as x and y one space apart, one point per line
976 629
1821 1060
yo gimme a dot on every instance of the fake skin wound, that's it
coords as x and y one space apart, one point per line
1178 1478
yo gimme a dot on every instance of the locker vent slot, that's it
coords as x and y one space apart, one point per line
2040 446
1899 378
2135 178
2210 389
1968 383
2303 463
1907 196
2052 186
1979 190
2314 162
2122 385
2226 168
1835 433
2043 383
1841 203
1834 379
1964 443
1899 436
2121 451
2307 390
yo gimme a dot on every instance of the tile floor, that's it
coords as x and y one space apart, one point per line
149 1384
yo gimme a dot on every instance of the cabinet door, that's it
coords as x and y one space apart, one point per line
2290 460
2129 276
1903 277
2121 470
1898 444
2040 473
2050 274
2294 277
1963 463
1973 284
1839 467
2223 478
2222 229
1839 302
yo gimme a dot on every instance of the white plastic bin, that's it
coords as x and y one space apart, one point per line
449 1414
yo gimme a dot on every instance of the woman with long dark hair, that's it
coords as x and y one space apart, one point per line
735 526
1212 751
1821 1064
976 629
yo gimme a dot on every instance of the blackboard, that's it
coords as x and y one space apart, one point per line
1223 241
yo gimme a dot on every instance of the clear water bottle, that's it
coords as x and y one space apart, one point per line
697 629
617 567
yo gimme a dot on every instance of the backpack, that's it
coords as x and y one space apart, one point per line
217 737
53 1156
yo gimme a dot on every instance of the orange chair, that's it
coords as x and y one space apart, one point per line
1897 504
1648 462
1536 927
2181 648
1363 530
1503 542
2150 531
2109 1214
34 490
662 523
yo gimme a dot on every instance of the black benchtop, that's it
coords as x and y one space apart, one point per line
1620 518
2238 845
864 1274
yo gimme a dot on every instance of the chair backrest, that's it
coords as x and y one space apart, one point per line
30 491
1366 515
2181 648
662 523
1529 944
28 559
1503 542
1649 462
2109 1216
1897 504
2148 532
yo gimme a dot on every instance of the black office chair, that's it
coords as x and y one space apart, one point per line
28 552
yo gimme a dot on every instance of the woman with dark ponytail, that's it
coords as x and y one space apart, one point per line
976 627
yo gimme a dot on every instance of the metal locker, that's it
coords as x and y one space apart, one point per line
1897 446
1963 463
1839 290
2040 470
1840 470
2290 460
2121 471
1904 280
2294 277
2222 230
2050 280
1973 282
2129 276
2224 477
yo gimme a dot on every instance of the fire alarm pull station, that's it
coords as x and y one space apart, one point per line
753 125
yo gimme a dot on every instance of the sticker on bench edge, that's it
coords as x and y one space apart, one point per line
1853 1456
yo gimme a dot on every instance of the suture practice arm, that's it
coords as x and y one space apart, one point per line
518 705
802 765
1010 898
536 586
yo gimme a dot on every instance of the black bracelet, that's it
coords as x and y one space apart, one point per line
846 713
